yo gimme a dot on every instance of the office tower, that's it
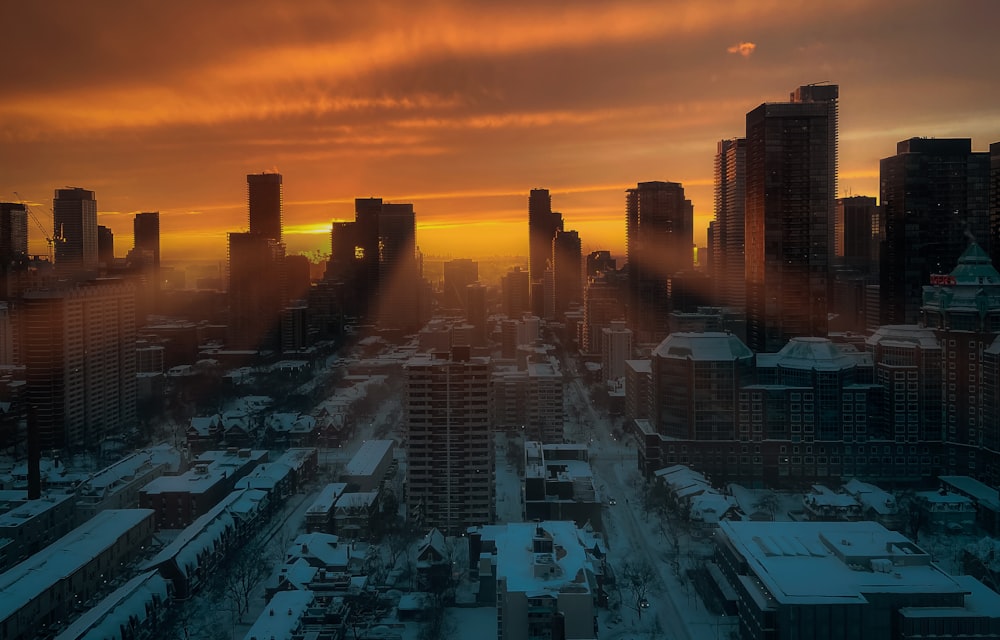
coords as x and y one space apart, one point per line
105 245
449 471
516 291
935 197
146 234
74 221
255 297
730 212
601 304
791 157
658 236
599 262
458 274
542 226
79 352
855 226
616 348
567 269
13 231
963 309
264 199
399 273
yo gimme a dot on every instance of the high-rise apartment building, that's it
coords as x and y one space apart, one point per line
935 196
601 304
542 226
74 220
658 234
105 245
264 199
616 348
255 292
449 442
13 231
146 234
730 216
567 270
856 224
791 186
516 291
79 352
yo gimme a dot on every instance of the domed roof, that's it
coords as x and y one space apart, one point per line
817 353
708 346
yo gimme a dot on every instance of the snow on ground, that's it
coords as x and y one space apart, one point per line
468 622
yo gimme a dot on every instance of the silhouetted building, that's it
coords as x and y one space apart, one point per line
264 199
13 231
74 218
105 246
542 226
854 228
516 292
146 234
599 262
994 242
659 222
297 279
934 194
475 312
567 269
458 274
730 217
79 352
791 183
449 441
601 304
255 299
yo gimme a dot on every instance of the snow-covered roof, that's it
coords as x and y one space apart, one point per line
128 602
327 498
876 499
904 335
282 616
565 568
27 580
371 454
30 509
297 573
982 493
854 558
356 500
819 354
324 548
200 536
711 346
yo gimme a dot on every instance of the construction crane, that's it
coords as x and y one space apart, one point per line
50 240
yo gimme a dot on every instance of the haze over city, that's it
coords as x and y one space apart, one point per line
457 108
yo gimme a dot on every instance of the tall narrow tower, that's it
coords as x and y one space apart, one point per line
264 198
730 216
791 188
146 234
542 226
74 218
658 235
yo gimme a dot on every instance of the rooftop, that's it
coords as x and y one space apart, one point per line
709 346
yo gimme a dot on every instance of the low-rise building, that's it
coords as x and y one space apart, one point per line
138 605
46 590
559 484
875 583
31 525
368 467
319 515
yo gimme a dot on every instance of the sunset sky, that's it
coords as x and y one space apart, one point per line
458 107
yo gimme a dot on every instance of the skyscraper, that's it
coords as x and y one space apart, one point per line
105 245
450 457
458 274
542 226
791 158
516 292
255 296
146 234
79 352
13 231
935 198
730 216
567 270
264 199
658 237
74 218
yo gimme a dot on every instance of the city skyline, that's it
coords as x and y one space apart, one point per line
457 111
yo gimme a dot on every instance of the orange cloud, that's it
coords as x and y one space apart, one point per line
742 48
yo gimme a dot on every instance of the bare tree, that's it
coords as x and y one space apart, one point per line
248 568
636 579
768 502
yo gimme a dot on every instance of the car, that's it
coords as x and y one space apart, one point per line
612 501
644 604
